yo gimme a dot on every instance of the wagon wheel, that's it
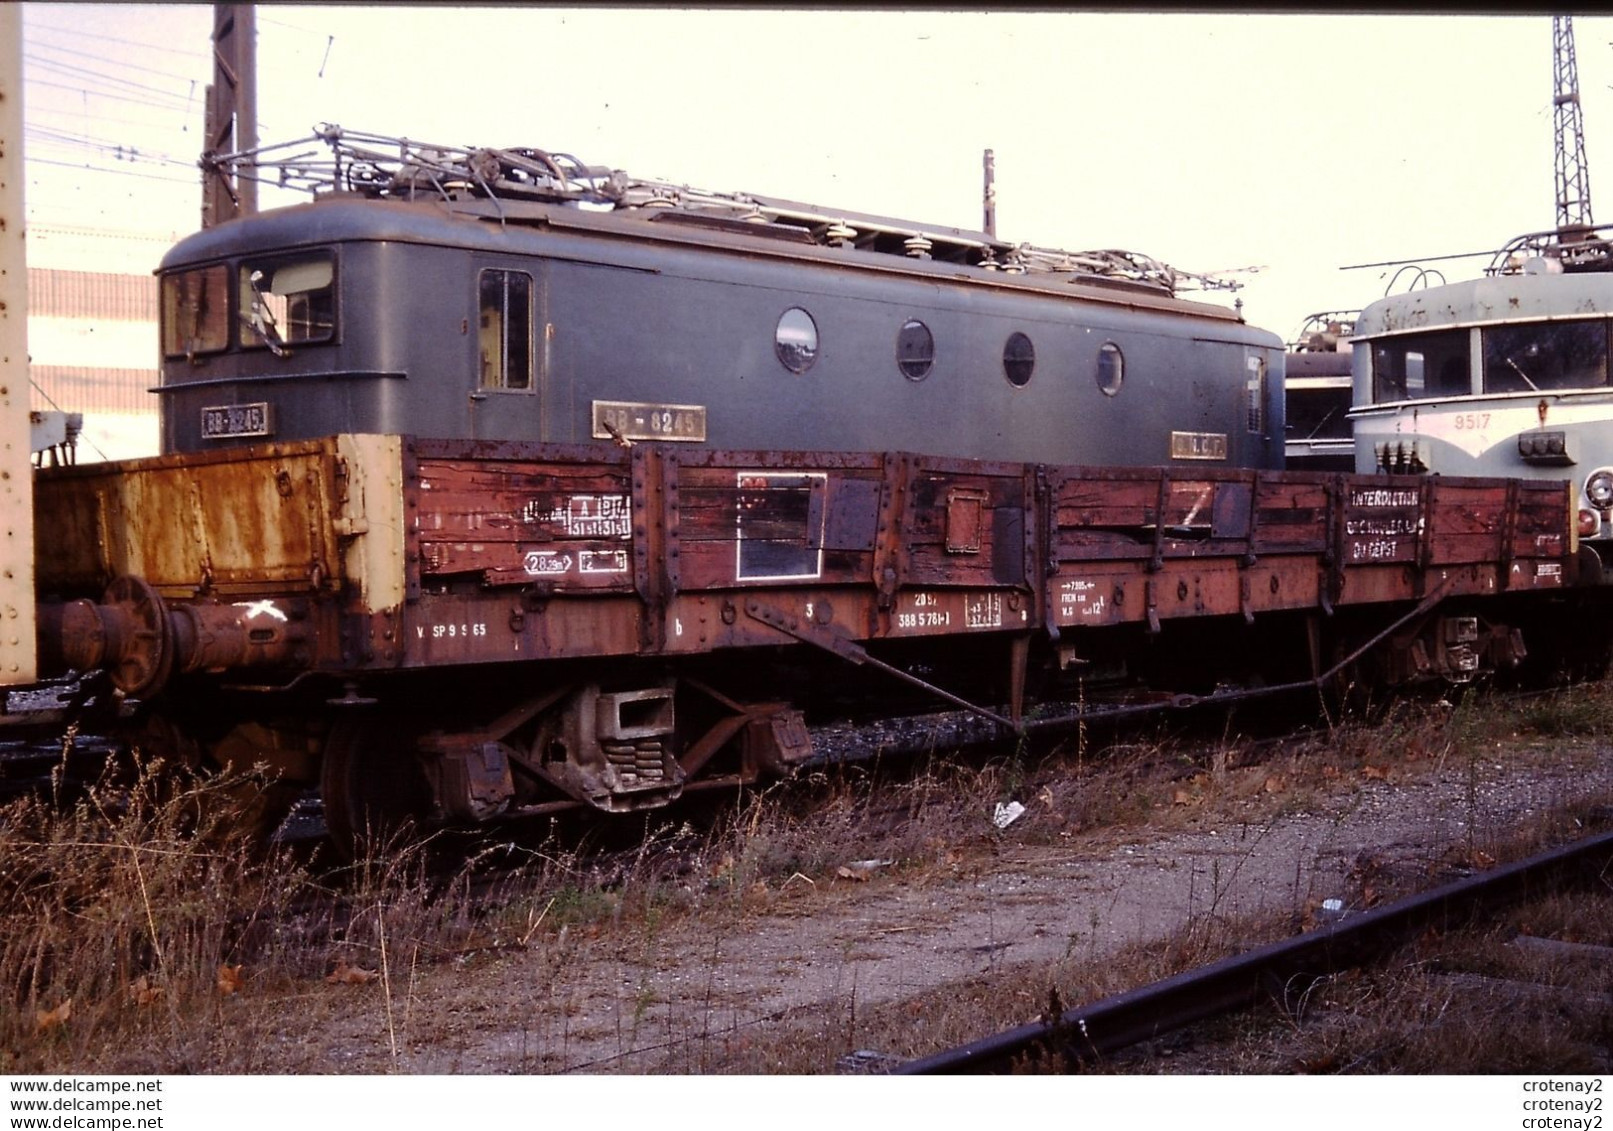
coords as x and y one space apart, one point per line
1356 689
371 783
227 793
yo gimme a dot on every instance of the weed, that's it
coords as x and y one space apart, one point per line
118 908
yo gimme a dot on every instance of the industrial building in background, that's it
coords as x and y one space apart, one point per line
92 305
92 322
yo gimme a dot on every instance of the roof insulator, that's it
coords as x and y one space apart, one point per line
840 234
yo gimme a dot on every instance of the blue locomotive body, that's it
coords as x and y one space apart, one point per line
553 319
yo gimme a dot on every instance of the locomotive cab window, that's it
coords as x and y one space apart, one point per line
1415 366
1535 356
287 302
196 311
504 337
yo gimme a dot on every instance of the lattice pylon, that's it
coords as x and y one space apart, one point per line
1573 175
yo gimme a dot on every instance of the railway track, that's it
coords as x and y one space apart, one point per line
1283 972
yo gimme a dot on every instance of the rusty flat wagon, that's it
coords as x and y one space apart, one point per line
464 630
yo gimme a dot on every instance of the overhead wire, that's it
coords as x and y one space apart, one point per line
176 75
173 107
53 134
124 158
30 27
165 98
103 82
112 95
119 150
71 70
104 169
36 112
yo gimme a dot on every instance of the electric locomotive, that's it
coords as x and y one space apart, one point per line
1503 375
520 295
1316 389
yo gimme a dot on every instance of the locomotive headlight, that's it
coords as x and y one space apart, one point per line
1548 448
1599 488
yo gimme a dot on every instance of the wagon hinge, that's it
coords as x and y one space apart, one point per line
409 471
1425 525
1334 556
1250 556
670 574
1509 533
342 479
820 635
654 544
1046 524
1047 492
888 560
1151 595
1157 561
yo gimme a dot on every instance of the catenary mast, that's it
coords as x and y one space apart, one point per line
1573 176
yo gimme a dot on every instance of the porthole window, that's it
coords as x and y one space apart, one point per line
796 340
915 350
1111 368
1019 358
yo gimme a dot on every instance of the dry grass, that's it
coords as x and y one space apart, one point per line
183 946
143 928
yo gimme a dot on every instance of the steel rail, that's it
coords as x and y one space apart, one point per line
1283 971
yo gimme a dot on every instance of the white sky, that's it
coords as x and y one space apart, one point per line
1298 143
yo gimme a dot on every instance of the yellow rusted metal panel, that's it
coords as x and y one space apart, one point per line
274 520
374 559
255 521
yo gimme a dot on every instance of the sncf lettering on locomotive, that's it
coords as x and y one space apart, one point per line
1199 445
